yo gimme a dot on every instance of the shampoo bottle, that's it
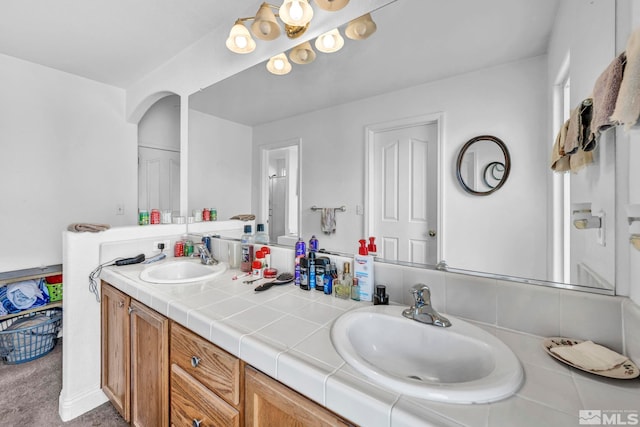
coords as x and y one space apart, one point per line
363 271
246 241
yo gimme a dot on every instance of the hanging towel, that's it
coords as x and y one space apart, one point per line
589 140
560 161
605 94
574 135
627 109
83 226
580 159
328 220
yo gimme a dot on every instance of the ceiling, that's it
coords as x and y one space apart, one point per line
417 41
118 42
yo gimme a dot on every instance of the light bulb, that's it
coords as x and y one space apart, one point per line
240 41
265 28
328 41
278 64
303 55
295 11
361 29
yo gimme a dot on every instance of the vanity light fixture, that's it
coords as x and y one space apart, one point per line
330 41
302 54
279 65
296 16
331 5
360 28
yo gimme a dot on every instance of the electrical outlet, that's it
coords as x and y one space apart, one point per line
167 246
120 209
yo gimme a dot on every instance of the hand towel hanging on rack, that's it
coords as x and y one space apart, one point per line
328 220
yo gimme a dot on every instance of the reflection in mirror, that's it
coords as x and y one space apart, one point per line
483 165
499 85
159 157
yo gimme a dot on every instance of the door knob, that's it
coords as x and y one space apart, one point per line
432 233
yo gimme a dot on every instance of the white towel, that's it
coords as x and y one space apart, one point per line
328 220
589 355
24 294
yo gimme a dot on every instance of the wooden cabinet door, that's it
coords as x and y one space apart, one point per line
115 348
271 404
193 404
149 367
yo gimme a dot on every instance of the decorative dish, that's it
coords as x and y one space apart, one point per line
626 370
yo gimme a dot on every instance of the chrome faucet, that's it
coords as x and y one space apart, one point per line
422 311
205 256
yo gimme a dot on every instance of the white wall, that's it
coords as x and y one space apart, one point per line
67 155
507 101
218 177
160 125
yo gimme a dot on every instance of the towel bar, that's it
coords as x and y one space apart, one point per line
341 208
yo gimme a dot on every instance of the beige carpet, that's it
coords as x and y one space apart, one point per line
29 395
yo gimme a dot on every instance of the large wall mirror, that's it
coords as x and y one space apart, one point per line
420 62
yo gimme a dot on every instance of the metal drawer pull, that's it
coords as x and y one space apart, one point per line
195 361
196 423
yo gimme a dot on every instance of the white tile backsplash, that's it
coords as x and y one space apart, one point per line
471 297
591 317
528 308
631 324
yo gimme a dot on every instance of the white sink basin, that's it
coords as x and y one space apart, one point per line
459 364
183 271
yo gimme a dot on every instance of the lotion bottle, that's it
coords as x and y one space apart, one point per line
363 271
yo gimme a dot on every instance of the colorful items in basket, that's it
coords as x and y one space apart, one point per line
23 295
54 286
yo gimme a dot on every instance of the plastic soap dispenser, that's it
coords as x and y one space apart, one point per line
363 271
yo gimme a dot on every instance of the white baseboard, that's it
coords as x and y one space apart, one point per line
74 406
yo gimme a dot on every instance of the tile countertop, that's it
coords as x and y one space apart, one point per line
285 332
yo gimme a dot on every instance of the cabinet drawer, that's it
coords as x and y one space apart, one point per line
213 367
192 404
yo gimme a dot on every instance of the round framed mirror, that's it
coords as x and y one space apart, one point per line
483 165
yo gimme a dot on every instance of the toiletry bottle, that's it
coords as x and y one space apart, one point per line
328 279
312 270
313 244
261 236
381 297
246 241
371 247
341 289
304 274
363 270
300 252
355 290
347 278
267 256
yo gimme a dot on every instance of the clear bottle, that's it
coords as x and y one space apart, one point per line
342 285
355 290
261 236
246 241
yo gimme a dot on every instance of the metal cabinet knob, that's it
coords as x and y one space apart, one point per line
120 304
195 361
196 423
130 309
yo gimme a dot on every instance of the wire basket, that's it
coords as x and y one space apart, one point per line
28 337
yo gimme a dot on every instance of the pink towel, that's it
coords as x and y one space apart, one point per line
627 109
605 94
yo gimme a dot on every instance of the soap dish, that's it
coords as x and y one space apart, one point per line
625 371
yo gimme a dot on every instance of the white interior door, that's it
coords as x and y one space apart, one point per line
405 193
158 179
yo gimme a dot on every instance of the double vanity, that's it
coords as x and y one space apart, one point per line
304 355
